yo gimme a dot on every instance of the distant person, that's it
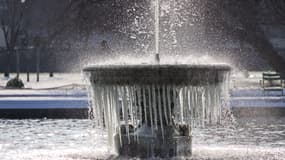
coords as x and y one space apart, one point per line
104 48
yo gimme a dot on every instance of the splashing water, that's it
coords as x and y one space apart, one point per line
127 59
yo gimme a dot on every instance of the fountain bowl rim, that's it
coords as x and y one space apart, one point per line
157 66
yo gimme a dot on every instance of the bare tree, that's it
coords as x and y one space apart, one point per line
240 20
252 33
11 24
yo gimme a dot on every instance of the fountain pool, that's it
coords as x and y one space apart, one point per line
46 139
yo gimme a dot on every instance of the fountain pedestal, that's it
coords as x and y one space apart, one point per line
145 144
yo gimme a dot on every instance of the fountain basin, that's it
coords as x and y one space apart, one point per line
157 74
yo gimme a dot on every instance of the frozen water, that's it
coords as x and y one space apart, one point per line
126 98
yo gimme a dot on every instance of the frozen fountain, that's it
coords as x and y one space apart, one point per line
149 109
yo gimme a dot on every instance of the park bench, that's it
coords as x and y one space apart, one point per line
272 82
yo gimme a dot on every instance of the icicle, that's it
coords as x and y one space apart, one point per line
215 112
203 107
131 99
209 104
139 101
96 108
194 109
218 105
160 112
125 111
100 106
189 106
175 100
106 111
113 109
164 103
136 116
139 104
134 105
185 105
144 104
110 112
180 105
117 107
150 109
200 101
196 105
91 101
154 106
169 103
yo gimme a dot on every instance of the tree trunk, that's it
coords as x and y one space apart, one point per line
28 73
51 62
38 64
28 61
7 74
18 63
